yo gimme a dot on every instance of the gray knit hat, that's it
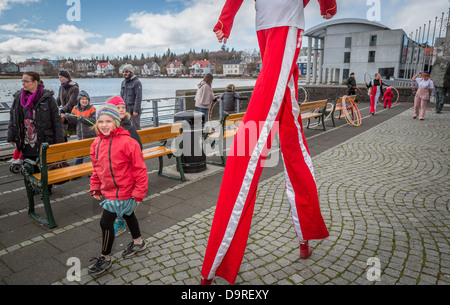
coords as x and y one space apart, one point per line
128 68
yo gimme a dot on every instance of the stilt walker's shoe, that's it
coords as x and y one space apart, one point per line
305 250
204 282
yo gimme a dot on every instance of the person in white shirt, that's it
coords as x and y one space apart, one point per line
273 108
426 86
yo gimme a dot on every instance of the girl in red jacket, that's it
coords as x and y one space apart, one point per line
273 107
120 176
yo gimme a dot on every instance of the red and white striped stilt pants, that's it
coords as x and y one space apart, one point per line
273 106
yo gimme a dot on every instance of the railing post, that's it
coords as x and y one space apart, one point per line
238 106
155 113
220 109
180 104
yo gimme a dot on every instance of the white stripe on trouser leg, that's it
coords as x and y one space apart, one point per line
290 192
296 113
288 60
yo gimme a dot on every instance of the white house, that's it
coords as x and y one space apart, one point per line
202 67
150 69
234 67
175 68
105 68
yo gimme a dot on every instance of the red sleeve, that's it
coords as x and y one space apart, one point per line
139 171
95 184
226 18
328 6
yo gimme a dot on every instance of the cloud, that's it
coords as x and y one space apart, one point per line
190 28
7 4
180 31
67 39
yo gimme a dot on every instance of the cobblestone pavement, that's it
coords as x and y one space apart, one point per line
384 194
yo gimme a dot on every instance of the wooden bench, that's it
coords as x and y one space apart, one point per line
319 110
37 183
337 106
229 125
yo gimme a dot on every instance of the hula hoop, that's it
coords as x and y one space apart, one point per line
211 108
93 124
357 119
307 97
398 96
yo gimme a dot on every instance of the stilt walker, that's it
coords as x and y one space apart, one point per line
273 107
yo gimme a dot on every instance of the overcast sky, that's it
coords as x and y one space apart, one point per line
42 28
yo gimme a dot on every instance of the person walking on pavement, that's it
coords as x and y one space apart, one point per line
120 176
426 85
376 90
131 93
273 107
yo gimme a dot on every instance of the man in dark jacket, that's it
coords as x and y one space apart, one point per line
67 98
351 84
131 93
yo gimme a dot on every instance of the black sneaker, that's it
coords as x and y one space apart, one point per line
132 248
100 266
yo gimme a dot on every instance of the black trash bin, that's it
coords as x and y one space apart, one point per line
193 158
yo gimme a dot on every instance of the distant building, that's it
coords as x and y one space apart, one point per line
85 66
9 67
105 68
234 67
42 67
250 55
202 67
175 68
151 69
360 46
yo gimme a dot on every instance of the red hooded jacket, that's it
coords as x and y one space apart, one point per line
119 171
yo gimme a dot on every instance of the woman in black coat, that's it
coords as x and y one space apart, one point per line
34 117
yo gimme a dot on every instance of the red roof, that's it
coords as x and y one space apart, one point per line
175 64
103 64
203 63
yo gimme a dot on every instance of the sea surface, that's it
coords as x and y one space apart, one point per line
152 88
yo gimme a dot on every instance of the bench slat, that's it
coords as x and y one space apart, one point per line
313 105
66 173
159 151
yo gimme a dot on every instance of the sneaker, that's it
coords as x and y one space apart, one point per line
119 226
132 248
100 266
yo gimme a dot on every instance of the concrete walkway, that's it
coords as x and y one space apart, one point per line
384 194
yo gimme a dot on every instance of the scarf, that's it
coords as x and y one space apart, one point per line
29 100
65 85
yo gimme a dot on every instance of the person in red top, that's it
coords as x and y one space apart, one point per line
388 96
273 108
120 176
